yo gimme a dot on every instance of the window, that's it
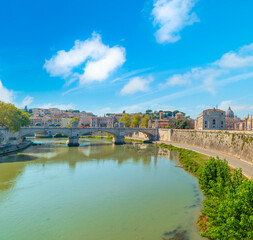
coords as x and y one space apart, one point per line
213 121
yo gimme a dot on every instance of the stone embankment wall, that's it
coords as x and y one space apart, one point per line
137 136
234 143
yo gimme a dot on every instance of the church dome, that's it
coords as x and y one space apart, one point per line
230 113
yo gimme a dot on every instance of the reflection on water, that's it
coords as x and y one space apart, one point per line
96 192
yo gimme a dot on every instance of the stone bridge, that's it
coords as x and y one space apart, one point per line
74 133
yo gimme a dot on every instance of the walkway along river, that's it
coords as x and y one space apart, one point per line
96 192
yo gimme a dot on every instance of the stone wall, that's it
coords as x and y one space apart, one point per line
233 143
139 136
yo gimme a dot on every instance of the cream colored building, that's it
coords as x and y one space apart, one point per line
211 119
103 122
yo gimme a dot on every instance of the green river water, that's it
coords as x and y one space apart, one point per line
96 191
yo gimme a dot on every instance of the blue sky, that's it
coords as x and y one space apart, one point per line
109 56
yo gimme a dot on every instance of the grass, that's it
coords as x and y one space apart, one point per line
110 137
96 137
133 140
192 162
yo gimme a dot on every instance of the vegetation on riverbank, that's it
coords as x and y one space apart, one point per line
94 137
133 140
228 207
108 136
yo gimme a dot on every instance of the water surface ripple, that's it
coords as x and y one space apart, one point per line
96 192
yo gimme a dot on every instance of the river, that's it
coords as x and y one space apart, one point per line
96 191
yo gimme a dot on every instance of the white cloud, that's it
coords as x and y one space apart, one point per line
171 16
178 79
8 96
98 59
203 76
237 108
202 107
59 106
5 94
229 68
136 84
240 59
27 101
224 105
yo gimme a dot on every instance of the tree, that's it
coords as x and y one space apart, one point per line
175 112
228 206
145 120
168 113
75 119
136 121
126 119
13 118
182 124
149 111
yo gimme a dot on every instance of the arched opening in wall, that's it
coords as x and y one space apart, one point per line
44 136
95 134
140 135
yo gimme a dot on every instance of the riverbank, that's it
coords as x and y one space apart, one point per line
233 162
228 205
16 148
110 137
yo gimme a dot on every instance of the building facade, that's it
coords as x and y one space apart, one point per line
245 125
211 119
232 121
103 122
170 122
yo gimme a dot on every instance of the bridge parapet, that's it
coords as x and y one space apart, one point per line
74 133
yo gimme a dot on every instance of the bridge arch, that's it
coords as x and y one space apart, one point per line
51 131
89 131
148 135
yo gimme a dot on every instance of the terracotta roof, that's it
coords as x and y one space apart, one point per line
212 110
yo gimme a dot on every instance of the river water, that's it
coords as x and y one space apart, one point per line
96 191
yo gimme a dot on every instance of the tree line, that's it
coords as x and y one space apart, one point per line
136 120
142 121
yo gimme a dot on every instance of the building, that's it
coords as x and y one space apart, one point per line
170 122
37 121
65 122
245 125
103 122
179 116
211 119
232 121
57 117
164 123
